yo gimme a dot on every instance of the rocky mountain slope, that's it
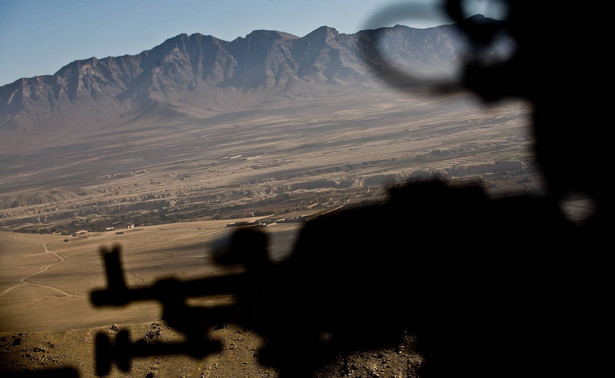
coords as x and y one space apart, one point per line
198 127
192 75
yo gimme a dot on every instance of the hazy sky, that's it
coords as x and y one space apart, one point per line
38 37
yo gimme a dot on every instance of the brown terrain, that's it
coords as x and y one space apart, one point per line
199 128
292 155
339 152
162 164
48 323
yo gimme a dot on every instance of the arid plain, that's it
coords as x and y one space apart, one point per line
181 184
283 156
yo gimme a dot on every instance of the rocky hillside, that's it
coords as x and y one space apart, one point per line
196 75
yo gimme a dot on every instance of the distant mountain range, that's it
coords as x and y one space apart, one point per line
199 75
201 128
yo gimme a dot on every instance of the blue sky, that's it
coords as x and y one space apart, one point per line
38 37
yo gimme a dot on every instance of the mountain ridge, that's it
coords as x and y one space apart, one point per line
190 74
201 128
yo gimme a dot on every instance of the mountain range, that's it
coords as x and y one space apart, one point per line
199 75
201 128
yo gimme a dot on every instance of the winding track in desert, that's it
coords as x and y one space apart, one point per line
25 280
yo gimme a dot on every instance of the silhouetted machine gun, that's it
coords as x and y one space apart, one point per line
490 287
436 260
195 323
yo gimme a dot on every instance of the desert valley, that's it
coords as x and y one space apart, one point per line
161 151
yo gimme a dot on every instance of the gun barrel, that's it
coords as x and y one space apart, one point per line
166 289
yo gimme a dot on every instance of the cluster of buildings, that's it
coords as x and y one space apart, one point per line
266 222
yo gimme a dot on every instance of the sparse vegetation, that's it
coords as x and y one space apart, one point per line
283 173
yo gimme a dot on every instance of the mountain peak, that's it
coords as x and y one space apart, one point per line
324 30
273 34
184 38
